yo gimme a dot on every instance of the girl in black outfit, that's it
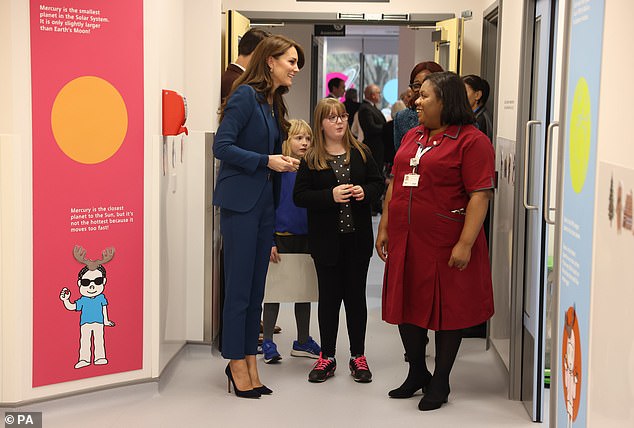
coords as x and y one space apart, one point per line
337 182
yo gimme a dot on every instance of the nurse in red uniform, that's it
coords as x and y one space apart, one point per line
437 273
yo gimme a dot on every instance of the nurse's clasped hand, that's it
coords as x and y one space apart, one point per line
460 256
281 163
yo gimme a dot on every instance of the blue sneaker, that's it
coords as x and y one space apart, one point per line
308 349
269 349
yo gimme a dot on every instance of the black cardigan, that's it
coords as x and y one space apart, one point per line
313 190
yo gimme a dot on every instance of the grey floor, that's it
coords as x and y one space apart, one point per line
192 391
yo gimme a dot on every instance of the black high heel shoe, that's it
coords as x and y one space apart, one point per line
410 387
263 390
250 393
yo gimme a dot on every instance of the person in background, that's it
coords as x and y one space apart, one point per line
371 122
352 104
246 46
408 119
478 93
437 273
406 97
336 88
249 144
291 230
337 182
388 138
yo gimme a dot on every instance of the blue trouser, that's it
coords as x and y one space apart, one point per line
247 239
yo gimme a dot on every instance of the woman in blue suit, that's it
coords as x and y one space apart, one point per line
249 145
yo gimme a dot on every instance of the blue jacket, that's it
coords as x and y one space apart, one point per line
246 136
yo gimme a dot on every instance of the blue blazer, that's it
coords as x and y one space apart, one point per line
243 143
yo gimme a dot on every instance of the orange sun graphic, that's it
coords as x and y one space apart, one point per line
89 119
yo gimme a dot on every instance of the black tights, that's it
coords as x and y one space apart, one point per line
414 340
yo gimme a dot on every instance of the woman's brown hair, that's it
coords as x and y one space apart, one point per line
317 157
258 75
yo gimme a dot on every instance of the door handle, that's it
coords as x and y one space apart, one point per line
547 207
527 135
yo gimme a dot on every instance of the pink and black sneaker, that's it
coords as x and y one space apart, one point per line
359 369
323 369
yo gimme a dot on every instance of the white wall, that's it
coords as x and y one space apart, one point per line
611 359
415 46
178 56
510 50
503 208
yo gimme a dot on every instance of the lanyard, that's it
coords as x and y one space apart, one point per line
420 152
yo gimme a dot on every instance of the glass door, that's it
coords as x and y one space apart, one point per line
535 269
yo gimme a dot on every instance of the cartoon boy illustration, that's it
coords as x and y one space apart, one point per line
92 304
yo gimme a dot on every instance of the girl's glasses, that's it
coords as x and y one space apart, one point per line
334 117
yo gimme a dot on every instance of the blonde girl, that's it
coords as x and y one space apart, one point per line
291 276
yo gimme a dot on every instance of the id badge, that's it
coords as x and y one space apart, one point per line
411 180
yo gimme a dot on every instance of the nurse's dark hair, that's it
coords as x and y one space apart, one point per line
477 83
450 89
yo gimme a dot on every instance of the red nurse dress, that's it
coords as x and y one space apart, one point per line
424 224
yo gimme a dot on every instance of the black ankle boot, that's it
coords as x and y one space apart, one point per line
435 397
413 383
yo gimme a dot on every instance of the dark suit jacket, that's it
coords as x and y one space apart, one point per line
243 142
228 77
313 190
371 121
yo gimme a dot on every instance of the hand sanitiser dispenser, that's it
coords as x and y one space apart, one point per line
174 117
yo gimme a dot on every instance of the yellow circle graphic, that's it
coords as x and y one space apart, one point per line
580 133
89 119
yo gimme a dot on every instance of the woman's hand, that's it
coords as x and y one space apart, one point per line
460 256
275 256
281 163
342 193
357 193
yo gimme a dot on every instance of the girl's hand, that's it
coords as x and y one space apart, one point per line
357 193
275 256
342 193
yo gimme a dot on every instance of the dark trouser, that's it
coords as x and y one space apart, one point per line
346 281
247 248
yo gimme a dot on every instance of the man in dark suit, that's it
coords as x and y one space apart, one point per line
371 121
247 45
336 88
